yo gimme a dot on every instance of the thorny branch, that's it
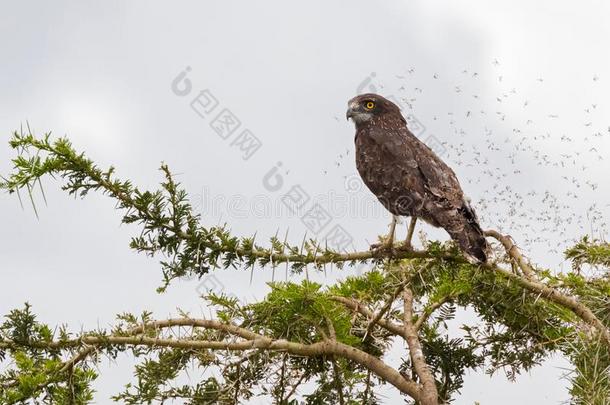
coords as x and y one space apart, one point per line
251 341
531 283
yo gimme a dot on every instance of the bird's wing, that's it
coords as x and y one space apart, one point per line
419 167
395 145
438 178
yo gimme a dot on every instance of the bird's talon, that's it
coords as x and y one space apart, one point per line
382 248
375 246
407 247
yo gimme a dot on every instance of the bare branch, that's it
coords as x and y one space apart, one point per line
513 252
429 394
331 328
337 380
201 323
295 386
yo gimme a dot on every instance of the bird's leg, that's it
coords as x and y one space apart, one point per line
390 238
388 241
407 245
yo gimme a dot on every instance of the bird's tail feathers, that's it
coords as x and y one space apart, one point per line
475 246
471 237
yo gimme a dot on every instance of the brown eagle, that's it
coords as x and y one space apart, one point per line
408 178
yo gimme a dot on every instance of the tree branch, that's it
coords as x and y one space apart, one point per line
531 283
253 341
429 394
337 381
382 311
513 252
356 306
295 387
564 300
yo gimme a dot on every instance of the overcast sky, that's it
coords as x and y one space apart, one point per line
513 95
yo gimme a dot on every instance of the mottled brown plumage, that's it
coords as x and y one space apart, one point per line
407 177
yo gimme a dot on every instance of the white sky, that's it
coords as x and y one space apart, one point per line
528 144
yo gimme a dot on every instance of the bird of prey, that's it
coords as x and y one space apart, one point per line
408 178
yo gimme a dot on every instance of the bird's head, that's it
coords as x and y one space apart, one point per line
365 107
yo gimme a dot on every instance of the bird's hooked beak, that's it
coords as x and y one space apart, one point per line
351 112
357 114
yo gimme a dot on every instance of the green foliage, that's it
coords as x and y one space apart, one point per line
301 312
449 360
591 375
37 369
592 252
153 374
590 357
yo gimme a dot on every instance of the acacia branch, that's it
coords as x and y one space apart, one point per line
564 300
337 381
295 386
167 323
513 252
331 328
429 394
252 341
358 307
77 358
382 311
154 326
531 283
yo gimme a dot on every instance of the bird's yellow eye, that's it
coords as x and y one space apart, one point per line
370 105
